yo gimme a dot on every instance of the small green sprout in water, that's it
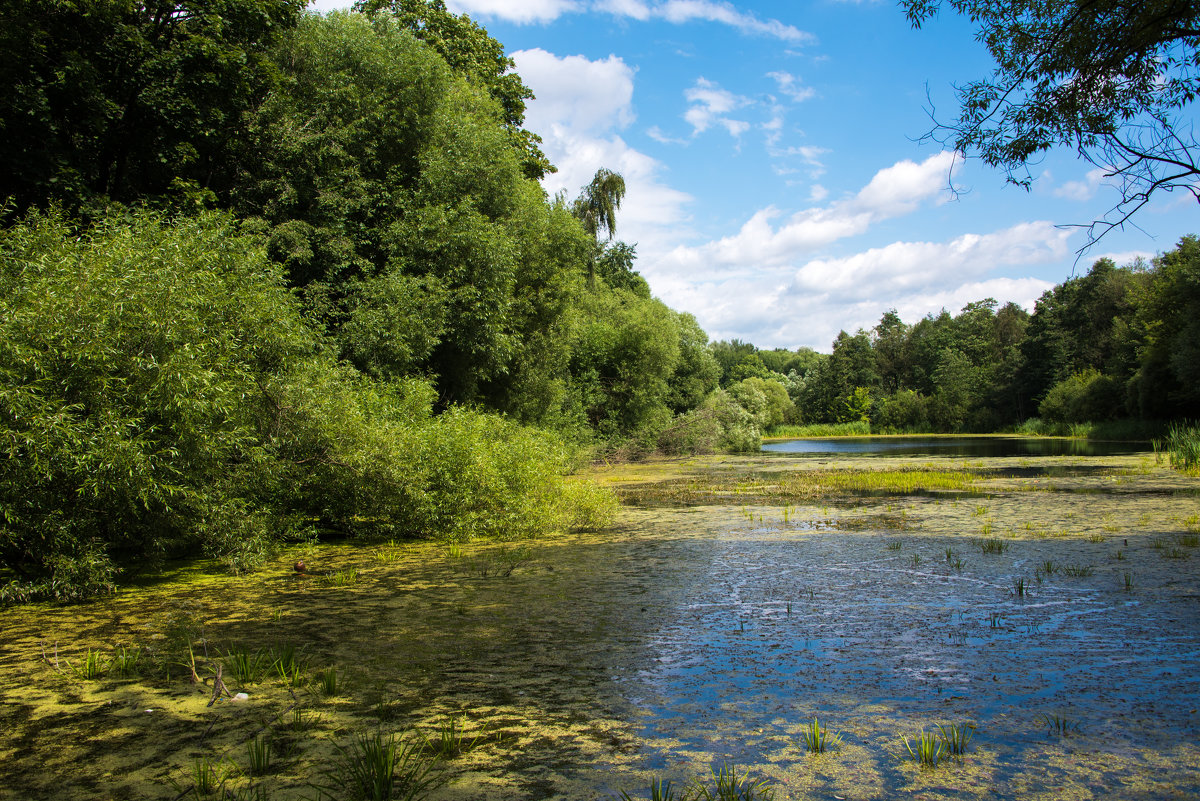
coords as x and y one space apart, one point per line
1158 543
1128 581
1077 571
1188 540
209 776
986 529
92 666
277 614
916 559
1097 538
1049 568
994 545
957 737
258 752
927 750
246 667
979 511
949 555
380 768
1019 586
1057 723
125 662
450 740
957 564
1175 553
728 787
327 681
816 738
895 545
996 619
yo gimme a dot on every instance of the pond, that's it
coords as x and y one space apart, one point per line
969 447
1054 614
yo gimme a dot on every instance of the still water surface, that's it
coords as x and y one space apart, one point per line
978 447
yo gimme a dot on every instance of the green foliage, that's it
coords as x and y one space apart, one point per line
1086 396
124 101
380 768
1108 79
1182 446
160 394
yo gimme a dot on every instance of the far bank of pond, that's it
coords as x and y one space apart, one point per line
1050 603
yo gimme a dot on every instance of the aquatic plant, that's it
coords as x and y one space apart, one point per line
660 790
1175 553
1019 586
450 740
1077 571
1119 555
915 559
949 555
1182 446
289 665
927 751
125 661
816 738
375 767
1188 540
996 619
957 564
246 667
956 737
1097 538
327 681
258 750
994 545
92 666
895 545
728 787
301 719
209 776
1128 581
1058 723
1048 567
341 578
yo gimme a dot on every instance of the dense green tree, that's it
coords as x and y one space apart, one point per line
128 100
472 53
1167 384
1110 79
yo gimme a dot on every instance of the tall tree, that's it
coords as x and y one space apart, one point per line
1107 78
124 99
475 55
597 206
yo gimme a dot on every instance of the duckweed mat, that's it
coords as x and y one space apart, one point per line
1050 605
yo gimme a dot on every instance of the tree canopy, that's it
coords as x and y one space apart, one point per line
1110 79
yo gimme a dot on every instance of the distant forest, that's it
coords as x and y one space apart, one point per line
1119 343
267 275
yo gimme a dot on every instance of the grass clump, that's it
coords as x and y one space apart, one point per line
660 790
726 786
375 767
1058 723
856 428
816 738
994 545
927 749
450 740
1182 447
92 666
258 752
956 737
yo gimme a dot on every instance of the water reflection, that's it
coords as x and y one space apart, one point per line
958 446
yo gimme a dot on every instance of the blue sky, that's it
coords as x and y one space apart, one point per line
778 185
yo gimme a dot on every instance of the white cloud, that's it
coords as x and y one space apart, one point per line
517 11
581 94
710 104
624 8
1082 190
1122 258
579 106
791 86
764 284
680 11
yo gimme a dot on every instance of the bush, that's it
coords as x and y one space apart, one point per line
160 394
1086 396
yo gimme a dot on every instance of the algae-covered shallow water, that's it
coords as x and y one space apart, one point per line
736 599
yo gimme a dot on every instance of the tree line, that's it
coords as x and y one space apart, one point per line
1119 343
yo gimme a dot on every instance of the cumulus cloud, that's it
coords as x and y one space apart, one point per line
574 91
580 107
767 284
